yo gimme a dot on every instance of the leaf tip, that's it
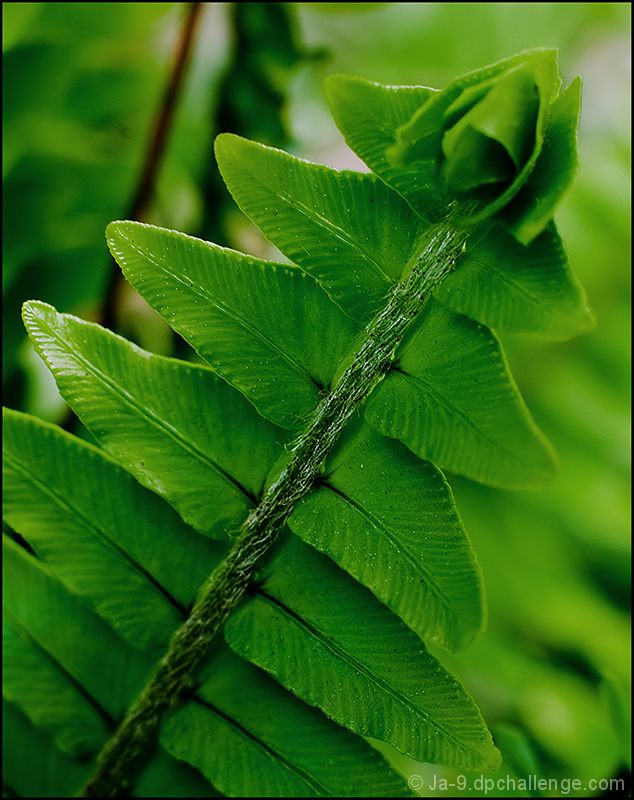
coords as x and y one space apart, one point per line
340 89
227 144
33 310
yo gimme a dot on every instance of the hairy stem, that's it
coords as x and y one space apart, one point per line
227 584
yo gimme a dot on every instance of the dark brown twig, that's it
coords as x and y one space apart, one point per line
147 181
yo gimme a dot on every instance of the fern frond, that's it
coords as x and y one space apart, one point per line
310 448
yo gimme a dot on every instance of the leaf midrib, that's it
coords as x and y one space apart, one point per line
192 287
505 278
532 300
456 411
101 536
276 756
372 519
156 420
323 222
353 663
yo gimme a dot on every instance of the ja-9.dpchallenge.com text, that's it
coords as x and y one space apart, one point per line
511 784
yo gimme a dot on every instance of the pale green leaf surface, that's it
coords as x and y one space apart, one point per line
420 138
178 428
368 115
389 520
500 134
266 743
505 114
84 647
494 139
253 321
347 229
31 680
452 400
520 288
329 641
117 547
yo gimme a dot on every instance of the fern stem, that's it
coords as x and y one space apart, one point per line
225 587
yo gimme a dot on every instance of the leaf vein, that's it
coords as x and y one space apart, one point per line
276 756
351 661
99 534
418 566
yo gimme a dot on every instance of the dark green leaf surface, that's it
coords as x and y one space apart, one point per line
253 321
116 548
32 765
268 743
59 775
58 622
389 520
166 776
47 695
60 662
329 641
239 717
452 401
176 427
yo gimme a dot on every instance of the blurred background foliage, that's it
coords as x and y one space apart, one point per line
83 87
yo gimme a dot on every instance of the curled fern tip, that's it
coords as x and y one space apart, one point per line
503 136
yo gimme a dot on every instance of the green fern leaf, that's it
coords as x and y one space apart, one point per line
373 675
440 398
337 386
33 766
176 427
268 743
233 701
356 237
348 230
366 514
114 548
57 621
521 288
415 590
47 696
453 628
369 115
228 305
